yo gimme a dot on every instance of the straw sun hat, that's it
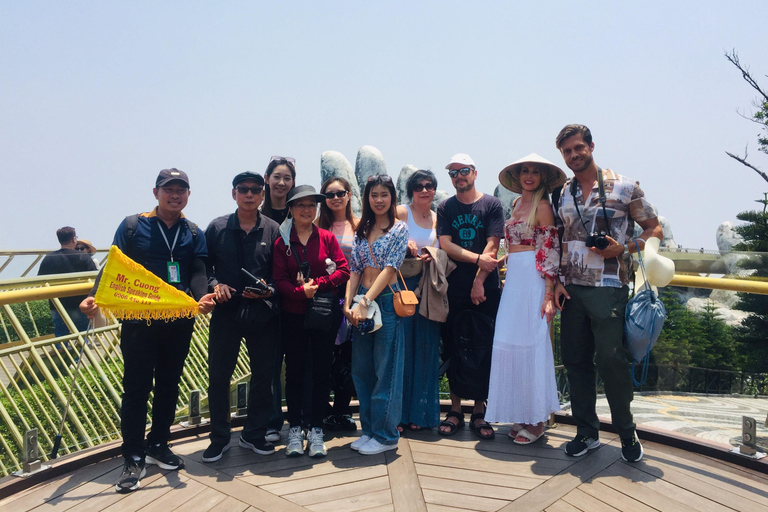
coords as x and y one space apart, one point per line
509 177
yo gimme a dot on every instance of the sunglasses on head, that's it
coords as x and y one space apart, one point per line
281 159
242 189
380 177
463 171
338 194
428 186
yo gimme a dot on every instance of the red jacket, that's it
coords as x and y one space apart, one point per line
322 244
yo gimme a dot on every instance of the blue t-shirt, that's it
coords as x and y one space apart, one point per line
147 247
469 226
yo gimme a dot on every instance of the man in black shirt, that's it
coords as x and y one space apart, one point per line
470 225
241 240
65 261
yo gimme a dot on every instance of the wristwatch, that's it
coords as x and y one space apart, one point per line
365 301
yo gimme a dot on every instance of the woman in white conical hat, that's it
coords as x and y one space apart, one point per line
522 387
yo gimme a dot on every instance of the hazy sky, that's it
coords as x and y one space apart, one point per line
97 96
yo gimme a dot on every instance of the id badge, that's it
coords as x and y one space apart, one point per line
174 275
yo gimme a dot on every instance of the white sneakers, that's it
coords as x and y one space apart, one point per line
360 442
315 443
372 447
295 446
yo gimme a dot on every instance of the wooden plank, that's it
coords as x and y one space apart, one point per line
369 501
403 480
558 486
614 498
480 477
471 488
472 454
230 504
238 461
204 501
462 501
432 507
562 506
549 446
643 493
587 502
332 493
354 461
525 469
172 500
254 496
289 486
82 492
153 487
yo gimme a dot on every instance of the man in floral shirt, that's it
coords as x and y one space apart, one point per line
596 240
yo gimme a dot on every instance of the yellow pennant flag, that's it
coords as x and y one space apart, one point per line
131 292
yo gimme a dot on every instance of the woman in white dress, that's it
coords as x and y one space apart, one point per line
522 387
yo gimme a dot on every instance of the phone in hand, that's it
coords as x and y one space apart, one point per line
254 284
562 301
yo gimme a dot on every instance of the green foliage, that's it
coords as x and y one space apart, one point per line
714 347
680 327
38 315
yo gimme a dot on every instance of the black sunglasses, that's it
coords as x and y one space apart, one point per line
242 189
463 171
380 177
81 248
338 194
419 187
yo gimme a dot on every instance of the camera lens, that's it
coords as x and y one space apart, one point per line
601 242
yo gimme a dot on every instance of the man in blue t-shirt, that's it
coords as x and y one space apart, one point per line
470 226
165 243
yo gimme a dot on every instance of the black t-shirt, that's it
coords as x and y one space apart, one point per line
469 226
67 261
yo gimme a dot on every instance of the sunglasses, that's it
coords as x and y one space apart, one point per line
463 171
380 177
81 248
288 159
338 194
419 187
242 189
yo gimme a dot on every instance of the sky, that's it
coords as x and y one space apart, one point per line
96 97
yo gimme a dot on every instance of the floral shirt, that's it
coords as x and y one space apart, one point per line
389 250
625 204
543 238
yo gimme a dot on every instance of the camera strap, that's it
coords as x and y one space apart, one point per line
601 192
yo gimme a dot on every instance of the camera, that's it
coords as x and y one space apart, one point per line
304 270
597 240
254 284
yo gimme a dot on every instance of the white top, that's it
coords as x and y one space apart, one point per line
422 236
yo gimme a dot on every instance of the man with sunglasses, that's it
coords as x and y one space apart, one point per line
595 213
242 240
470 226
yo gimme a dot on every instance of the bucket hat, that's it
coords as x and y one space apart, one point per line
303 191
509 177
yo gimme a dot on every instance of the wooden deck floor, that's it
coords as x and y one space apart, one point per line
426 473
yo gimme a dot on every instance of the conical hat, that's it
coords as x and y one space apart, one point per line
509 177
659 269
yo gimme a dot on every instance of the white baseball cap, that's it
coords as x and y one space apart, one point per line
461 158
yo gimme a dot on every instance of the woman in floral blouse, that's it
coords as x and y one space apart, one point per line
377 357
522 387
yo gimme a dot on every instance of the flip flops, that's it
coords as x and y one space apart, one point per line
478 429
453 427
530 438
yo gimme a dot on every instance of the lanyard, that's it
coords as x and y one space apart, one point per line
601 191
175 238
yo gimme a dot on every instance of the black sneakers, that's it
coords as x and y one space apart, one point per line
581 445
260 446
214 452
631 449
161 455
130 478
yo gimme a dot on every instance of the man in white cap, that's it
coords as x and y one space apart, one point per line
470 226
595 212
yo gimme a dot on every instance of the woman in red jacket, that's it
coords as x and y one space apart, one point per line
307 262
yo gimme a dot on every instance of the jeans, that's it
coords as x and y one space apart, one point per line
421 342
377 370
223 349
61 329
592 326
151 352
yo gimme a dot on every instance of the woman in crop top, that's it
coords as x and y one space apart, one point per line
421 406
377 357
522 387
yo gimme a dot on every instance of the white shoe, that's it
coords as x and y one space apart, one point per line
360 442
315 444
373 447
295 447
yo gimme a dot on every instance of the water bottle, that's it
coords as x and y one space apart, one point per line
330 266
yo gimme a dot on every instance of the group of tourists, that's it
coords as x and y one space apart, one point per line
296 275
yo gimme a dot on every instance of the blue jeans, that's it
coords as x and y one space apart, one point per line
421 338
61 329
377 370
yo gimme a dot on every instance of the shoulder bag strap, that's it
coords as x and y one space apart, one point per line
377 267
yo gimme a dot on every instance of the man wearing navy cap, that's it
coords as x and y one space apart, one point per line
246 309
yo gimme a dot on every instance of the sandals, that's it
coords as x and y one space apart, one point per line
478 429
415 428
530 438
453 427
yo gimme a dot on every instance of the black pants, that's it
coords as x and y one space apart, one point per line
151 352
305 349
223 348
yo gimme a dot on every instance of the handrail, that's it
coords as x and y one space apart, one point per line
722 283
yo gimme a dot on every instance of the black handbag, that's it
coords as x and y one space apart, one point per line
320 308
253 314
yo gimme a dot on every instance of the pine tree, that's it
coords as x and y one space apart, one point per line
681 326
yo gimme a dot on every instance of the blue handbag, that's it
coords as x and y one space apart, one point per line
643 321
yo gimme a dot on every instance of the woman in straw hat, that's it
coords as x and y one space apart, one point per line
522 387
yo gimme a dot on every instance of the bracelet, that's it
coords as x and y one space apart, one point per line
549 296
477 261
